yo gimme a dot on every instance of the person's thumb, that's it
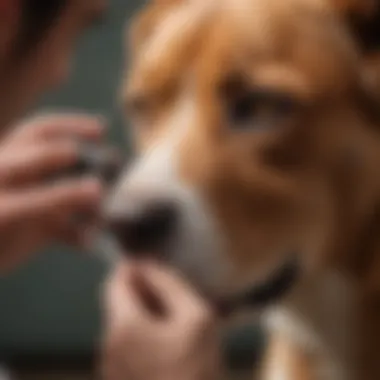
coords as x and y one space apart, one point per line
121 303
177 297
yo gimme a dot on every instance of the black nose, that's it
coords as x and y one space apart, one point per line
146 231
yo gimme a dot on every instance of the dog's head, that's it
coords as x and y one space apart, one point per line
257 137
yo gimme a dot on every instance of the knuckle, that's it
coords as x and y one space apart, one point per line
201 317
38 122
68 148
65 148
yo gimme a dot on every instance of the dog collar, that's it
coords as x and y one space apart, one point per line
266 294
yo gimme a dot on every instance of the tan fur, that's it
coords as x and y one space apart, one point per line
310 182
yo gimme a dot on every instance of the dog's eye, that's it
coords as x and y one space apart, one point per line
258 108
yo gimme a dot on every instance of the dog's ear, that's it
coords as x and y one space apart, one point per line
143 24
363 20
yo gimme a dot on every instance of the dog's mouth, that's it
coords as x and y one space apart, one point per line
265 294
260 296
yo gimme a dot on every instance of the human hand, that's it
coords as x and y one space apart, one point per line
157 327
33 212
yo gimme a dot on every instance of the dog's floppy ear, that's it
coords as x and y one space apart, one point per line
363 20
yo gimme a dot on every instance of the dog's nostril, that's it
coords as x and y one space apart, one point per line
147 230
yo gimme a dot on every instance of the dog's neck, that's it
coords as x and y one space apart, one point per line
316 317
334 315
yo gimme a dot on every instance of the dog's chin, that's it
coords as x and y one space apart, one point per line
260 296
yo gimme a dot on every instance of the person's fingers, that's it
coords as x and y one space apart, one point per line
30 238
177 297
38 235
81 233
151 300
66 198
37 161
61 125
71 234
122 304
37 232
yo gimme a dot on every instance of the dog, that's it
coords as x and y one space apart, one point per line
257 131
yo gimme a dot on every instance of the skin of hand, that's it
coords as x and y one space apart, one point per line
36 212
157 327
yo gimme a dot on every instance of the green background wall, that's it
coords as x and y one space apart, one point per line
50 306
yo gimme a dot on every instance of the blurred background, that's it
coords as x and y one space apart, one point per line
50 317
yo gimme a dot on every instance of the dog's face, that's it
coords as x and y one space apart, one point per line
256 141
